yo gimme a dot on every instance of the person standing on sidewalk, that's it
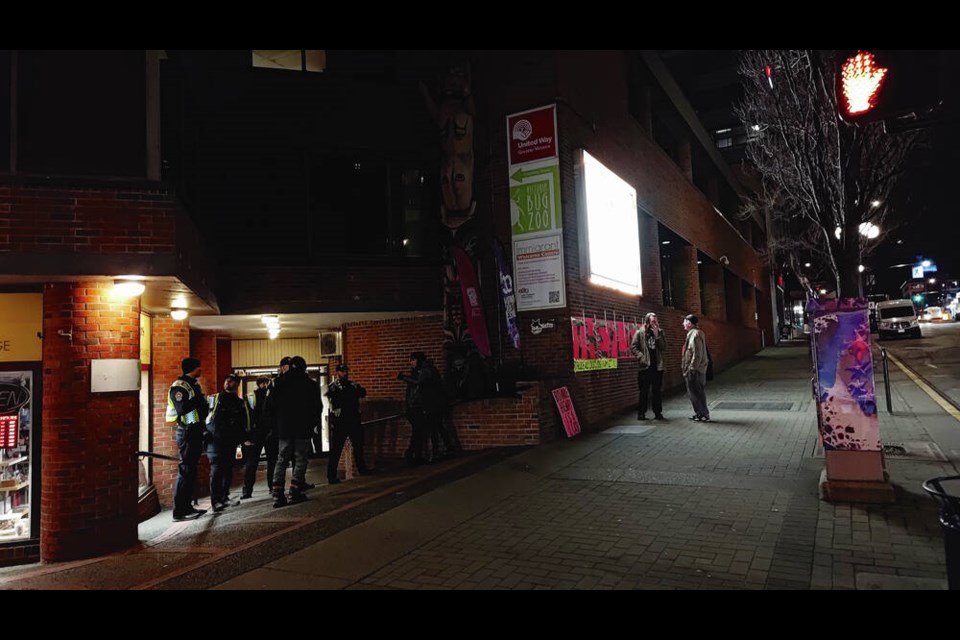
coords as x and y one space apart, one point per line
299 407
228 423
693 366
255 440
345 396
187 407
648 345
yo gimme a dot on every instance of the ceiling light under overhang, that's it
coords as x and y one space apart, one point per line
126 288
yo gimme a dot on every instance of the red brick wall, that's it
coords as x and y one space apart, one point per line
171 341
376 351
86 220
203 345
89 472
480 424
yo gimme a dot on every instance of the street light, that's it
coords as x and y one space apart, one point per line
867 229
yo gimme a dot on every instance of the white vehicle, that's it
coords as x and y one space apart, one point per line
936 314
897 318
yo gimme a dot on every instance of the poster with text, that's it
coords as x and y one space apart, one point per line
538 272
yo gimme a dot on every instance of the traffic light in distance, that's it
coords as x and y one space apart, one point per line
900 87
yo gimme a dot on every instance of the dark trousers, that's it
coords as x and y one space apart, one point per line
272 448
651 382
341 429
190 446
222 453
418 429
251 461
696 391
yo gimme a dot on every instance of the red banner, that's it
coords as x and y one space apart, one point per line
472 303
533 135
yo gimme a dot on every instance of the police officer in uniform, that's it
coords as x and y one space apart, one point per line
187 407
345 396
228 423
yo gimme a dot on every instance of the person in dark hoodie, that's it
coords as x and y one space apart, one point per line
254 441
228 423
298 409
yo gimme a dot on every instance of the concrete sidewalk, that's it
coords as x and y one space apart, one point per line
728 504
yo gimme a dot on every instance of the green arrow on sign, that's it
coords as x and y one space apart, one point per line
521 174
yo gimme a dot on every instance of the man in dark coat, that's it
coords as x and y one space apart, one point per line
298 409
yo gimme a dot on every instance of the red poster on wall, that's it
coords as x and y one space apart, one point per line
9 426
570 422
533 134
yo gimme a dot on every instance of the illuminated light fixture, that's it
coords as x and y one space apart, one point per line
665 242
807 265
273 333
925 264
271 321
867 229
406 241
823 292
860 268
932 281
179 314
126 288
875 204
860 81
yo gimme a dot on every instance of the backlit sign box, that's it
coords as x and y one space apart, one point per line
9 426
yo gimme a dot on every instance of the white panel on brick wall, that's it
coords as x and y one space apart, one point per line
267 353
114 374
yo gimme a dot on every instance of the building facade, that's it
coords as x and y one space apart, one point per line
357 196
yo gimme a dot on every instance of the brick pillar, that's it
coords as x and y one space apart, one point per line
749 299
89 472
687 290
203 345
171 344
714 303
685 158
650 260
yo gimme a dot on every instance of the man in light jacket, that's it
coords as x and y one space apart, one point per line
693 365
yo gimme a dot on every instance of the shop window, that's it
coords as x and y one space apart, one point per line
16 454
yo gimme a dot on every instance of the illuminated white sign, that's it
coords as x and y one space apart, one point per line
613 234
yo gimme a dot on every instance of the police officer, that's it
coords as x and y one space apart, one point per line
345 396
187 407
228 422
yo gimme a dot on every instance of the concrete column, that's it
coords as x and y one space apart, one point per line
89 472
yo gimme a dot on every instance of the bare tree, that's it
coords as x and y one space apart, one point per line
819 173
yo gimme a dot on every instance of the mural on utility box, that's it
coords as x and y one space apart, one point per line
847 407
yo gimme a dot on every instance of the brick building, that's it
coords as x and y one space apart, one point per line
309 185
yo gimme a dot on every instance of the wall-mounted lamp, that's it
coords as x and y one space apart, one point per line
127 288
724 260
179 314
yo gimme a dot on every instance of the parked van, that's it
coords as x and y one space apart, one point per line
897 318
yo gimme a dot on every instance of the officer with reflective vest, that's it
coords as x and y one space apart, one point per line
187 407
227 425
